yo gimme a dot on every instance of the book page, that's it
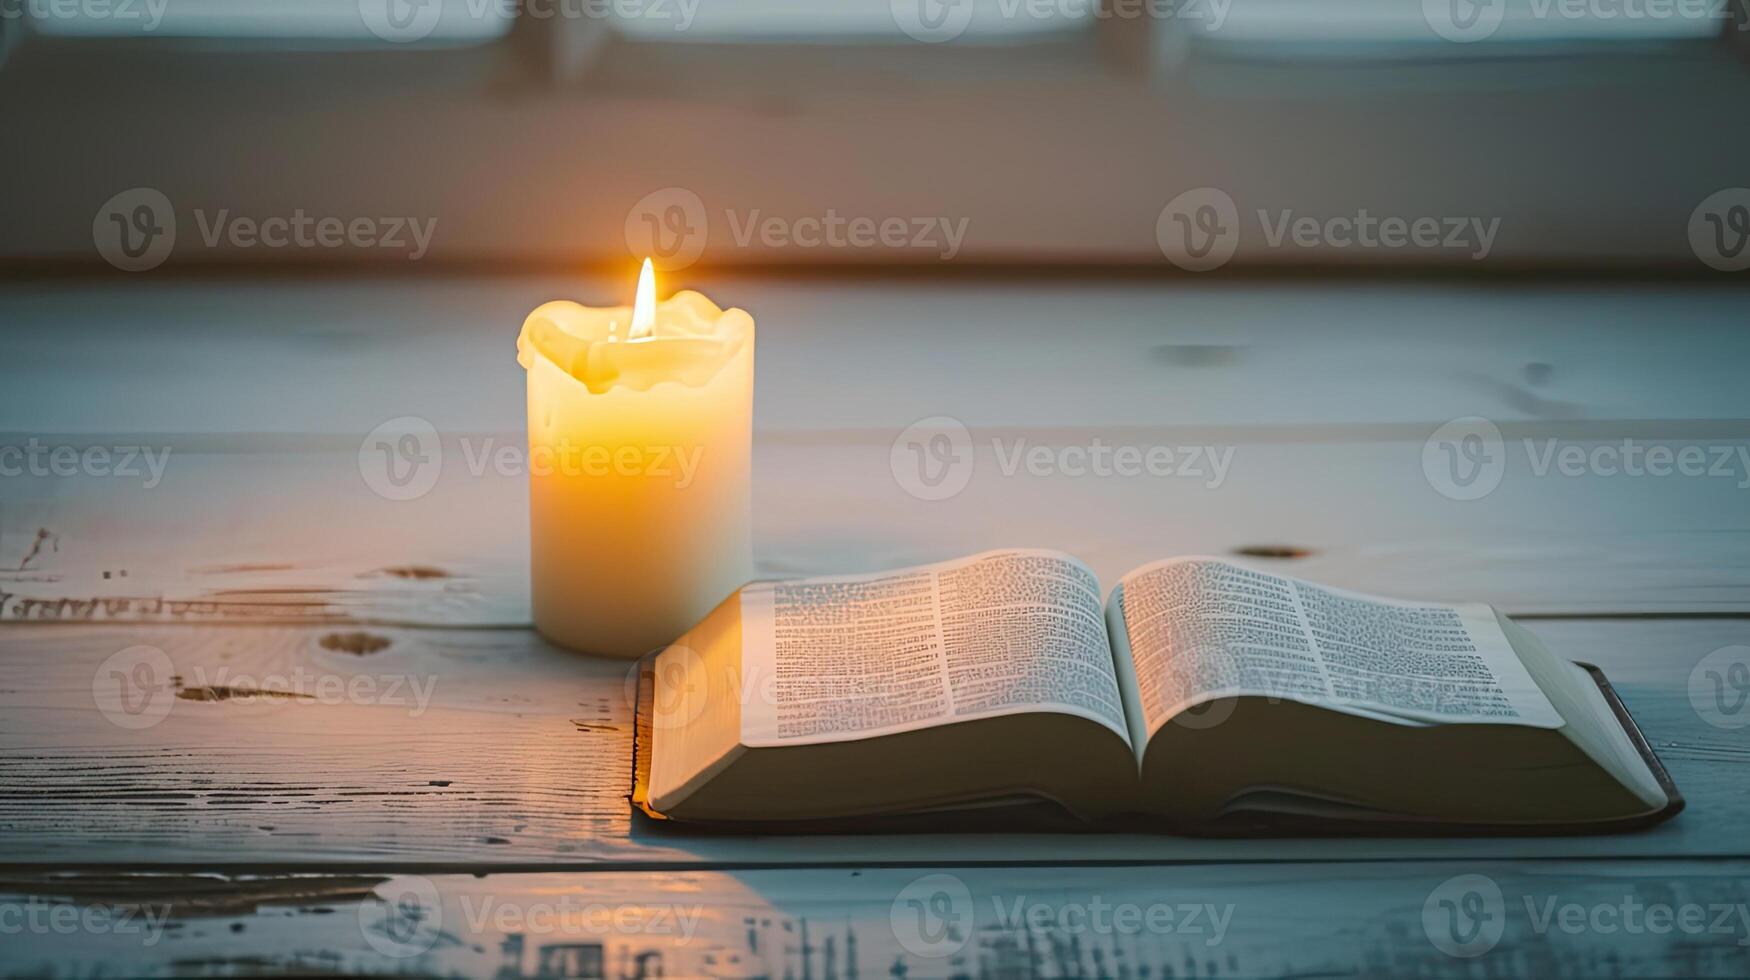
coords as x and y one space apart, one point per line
1201 629
831 659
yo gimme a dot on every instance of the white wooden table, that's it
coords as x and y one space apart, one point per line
466 765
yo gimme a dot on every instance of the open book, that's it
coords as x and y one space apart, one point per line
1200 692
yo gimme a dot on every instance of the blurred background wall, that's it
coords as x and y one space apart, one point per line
557 133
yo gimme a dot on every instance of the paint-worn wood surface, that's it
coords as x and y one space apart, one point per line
456 749
201 546
248 662
1543 919
1317 400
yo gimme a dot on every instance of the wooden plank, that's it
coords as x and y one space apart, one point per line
288 355
1320 397
1422 919
300 537
467 750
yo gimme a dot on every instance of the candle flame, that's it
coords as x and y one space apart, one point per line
644 305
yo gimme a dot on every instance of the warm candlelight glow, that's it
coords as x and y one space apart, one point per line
640 450
644 304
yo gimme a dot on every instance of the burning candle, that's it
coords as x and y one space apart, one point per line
640 445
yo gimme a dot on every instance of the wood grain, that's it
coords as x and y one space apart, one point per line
1318 919
1319 396
197 549
516 756
345 696
283 357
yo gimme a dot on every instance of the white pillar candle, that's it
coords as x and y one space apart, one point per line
640 446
